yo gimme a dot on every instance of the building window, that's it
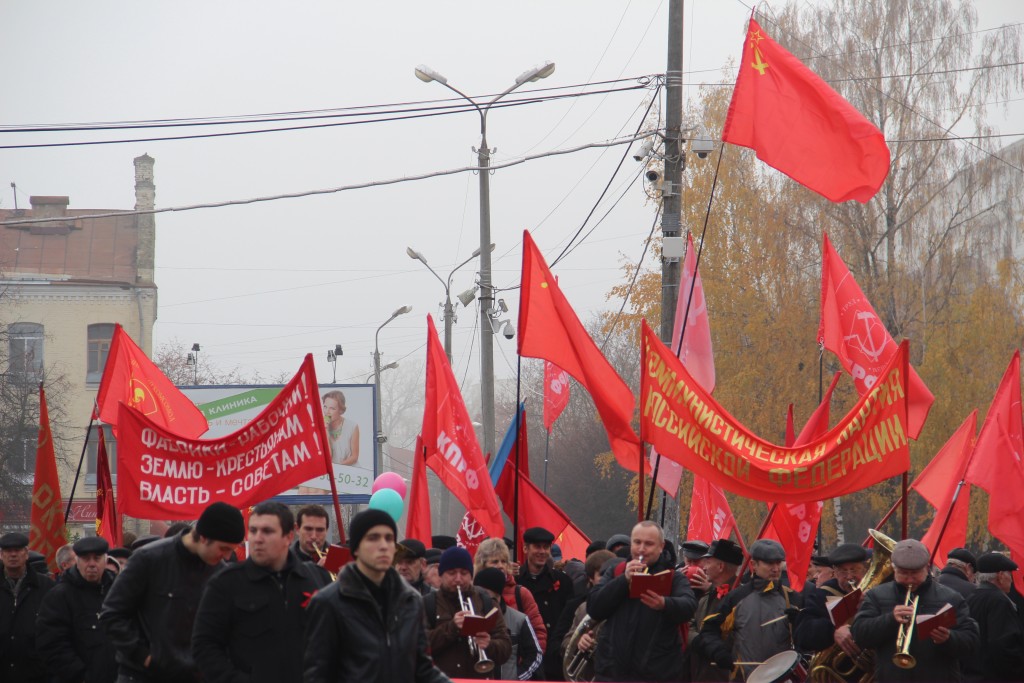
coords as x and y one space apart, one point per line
25 350
93 448
100 335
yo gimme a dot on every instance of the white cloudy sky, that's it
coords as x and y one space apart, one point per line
261 285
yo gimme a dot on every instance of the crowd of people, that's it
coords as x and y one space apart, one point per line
183 608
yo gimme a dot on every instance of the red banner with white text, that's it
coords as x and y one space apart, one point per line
161 475
687 425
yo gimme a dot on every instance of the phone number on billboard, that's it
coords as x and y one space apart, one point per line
349 479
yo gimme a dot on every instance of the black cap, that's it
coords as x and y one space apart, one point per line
594 547
538 534
491 578
433 555
13 540
616 541
990 563
767 550
820 561
965 556
411 549
725 550
91 545
848 552
120 552
442 542
221 522
363 522
144 541
694 550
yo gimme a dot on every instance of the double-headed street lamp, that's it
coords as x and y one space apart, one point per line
426 74
465 297
379 441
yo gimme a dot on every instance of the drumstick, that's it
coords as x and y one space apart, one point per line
772 621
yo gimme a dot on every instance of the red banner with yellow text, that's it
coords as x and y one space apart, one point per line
687 425
161 475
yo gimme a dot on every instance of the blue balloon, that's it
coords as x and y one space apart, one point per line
389 501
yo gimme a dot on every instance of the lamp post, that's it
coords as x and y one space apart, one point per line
379 441
390 366
426 74
332 358
193 360
449 309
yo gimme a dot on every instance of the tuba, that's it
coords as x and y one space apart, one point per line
577 665
832 664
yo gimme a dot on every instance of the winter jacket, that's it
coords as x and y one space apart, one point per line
700 667
953 577
21 659
68 630
151 608
527 654
449 648
875 627
815 630
750 617
552 589
1001 655
251 626
526 604
350 638
636 642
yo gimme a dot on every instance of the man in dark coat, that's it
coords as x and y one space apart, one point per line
1001 656
21 593
815 630
252 616
721 564
959 571
640 639
368 625
551 588
411 564
150 610
68 628
885 609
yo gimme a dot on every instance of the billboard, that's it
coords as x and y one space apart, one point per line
351 426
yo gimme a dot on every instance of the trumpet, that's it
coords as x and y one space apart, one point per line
483 664
320 554
903 659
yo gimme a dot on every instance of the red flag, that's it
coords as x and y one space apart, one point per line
996 464
794 526
851 329
556 393
710 514
417 523
130 377
799 125
937 483
549 329
817 423
452 449
46 533
470 534
108 522
536 509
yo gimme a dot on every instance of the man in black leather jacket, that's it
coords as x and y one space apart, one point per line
252 617
67 630
368 626
149 612
22 589
884 610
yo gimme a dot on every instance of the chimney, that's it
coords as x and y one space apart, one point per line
145 200
49 207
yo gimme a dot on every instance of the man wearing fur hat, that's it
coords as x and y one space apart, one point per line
885 609
150 610
368 625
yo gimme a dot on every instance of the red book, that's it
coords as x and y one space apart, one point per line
337 557
473 624
660 583
926 623
842 610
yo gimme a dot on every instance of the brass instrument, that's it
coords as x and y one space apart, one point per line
833 664
577 664
483 664
903 659
320 554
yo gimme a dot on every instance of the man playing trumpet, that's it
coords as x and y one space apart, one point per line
887 615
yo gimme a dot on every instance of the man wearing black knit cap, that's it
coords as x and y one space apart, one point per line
149 612
368 625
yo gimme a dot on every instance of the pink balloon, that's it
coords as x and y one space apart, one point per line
389 480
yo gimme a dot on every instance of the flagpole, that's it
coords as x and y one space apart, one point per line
945 522
81 459
821 395
746 555
640 514
515 486
547 445
903 507
884 519
334 486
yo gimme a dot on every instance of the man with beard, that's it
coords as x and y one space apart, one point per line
252 616
757 618
68 629
21 593
551 588
411 564
369 624
640 639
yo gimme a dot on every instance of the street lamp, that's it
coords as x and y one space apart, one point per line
193 360
332 358
390 366
449 309
426 74
378 454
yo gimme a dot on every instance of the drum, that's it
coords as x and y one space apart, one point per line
776 669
